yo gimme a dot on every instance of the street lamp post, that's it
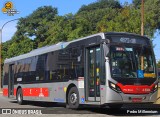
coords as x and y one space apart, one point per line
1 51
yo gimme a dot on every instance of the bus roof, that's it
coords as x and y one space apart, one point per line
47 49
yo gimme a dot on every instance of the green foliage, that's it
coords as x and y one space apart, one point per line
100 4
137 3
36 25
152 14
24 46
45 27
124 20
16 48
158 64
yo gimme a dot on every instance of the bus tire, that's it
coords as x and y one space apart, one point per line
20 96
115 106
73 98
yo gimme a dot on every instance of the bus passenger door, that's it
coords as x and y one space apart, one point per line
93 73
11 81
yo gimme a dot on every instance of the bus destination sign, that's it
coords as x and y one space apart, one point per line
128 39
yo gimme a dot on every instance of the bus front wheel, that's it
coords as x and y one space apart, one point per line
73 98
20 96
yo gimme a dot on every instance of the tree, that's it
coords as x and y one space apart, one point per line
15 49
137 3
124 20
158 64
152 12
36 25
100 4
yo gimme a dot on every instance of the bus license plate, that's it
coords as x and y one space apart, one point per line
136 99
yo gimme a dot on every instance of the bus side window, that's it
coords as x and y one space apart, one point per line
75 62
14 73
63 64
6 74
80 67
51 66
19 70
40 67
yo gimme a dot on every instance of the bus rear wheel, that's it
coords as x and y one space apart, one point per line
20 96
73 98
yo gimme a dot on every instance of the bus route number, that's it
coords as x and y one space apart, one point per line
127 40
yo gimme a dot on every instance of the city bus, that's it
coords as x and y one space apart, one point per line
104 69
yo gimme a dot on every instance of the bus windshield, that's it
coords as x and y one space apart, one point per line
132 62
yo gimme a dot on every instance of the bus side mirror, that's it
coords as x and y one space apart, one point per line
105 49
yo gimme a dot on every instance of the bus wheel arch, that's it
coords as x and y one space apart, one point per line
18 88
72 90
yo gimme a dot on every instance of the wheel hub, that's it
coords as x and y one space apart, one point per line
19 97
73 98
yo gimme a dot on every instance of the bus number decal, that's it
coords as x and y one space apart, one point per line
80 82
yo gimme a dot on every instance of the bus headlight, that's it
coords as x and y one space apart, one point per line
114 87
155 88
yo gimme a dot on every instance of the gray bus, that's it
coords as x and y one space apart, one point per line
101 69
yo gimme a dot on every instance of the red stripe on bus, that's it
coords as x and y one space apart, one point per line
36 92
5 91
135 89
15 91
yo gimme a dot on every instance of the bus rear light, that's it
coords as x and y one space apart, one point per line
114 87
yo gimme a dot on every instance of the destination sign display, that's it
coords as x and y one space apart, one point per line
131 40
127 40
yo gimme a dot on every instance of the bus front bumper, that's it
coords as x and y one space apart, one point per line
115 97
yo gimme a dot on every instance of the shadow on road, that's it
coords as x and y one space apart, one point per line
126 110
42 104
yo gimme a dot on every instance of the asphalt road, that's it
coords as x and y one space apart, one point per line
56 108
